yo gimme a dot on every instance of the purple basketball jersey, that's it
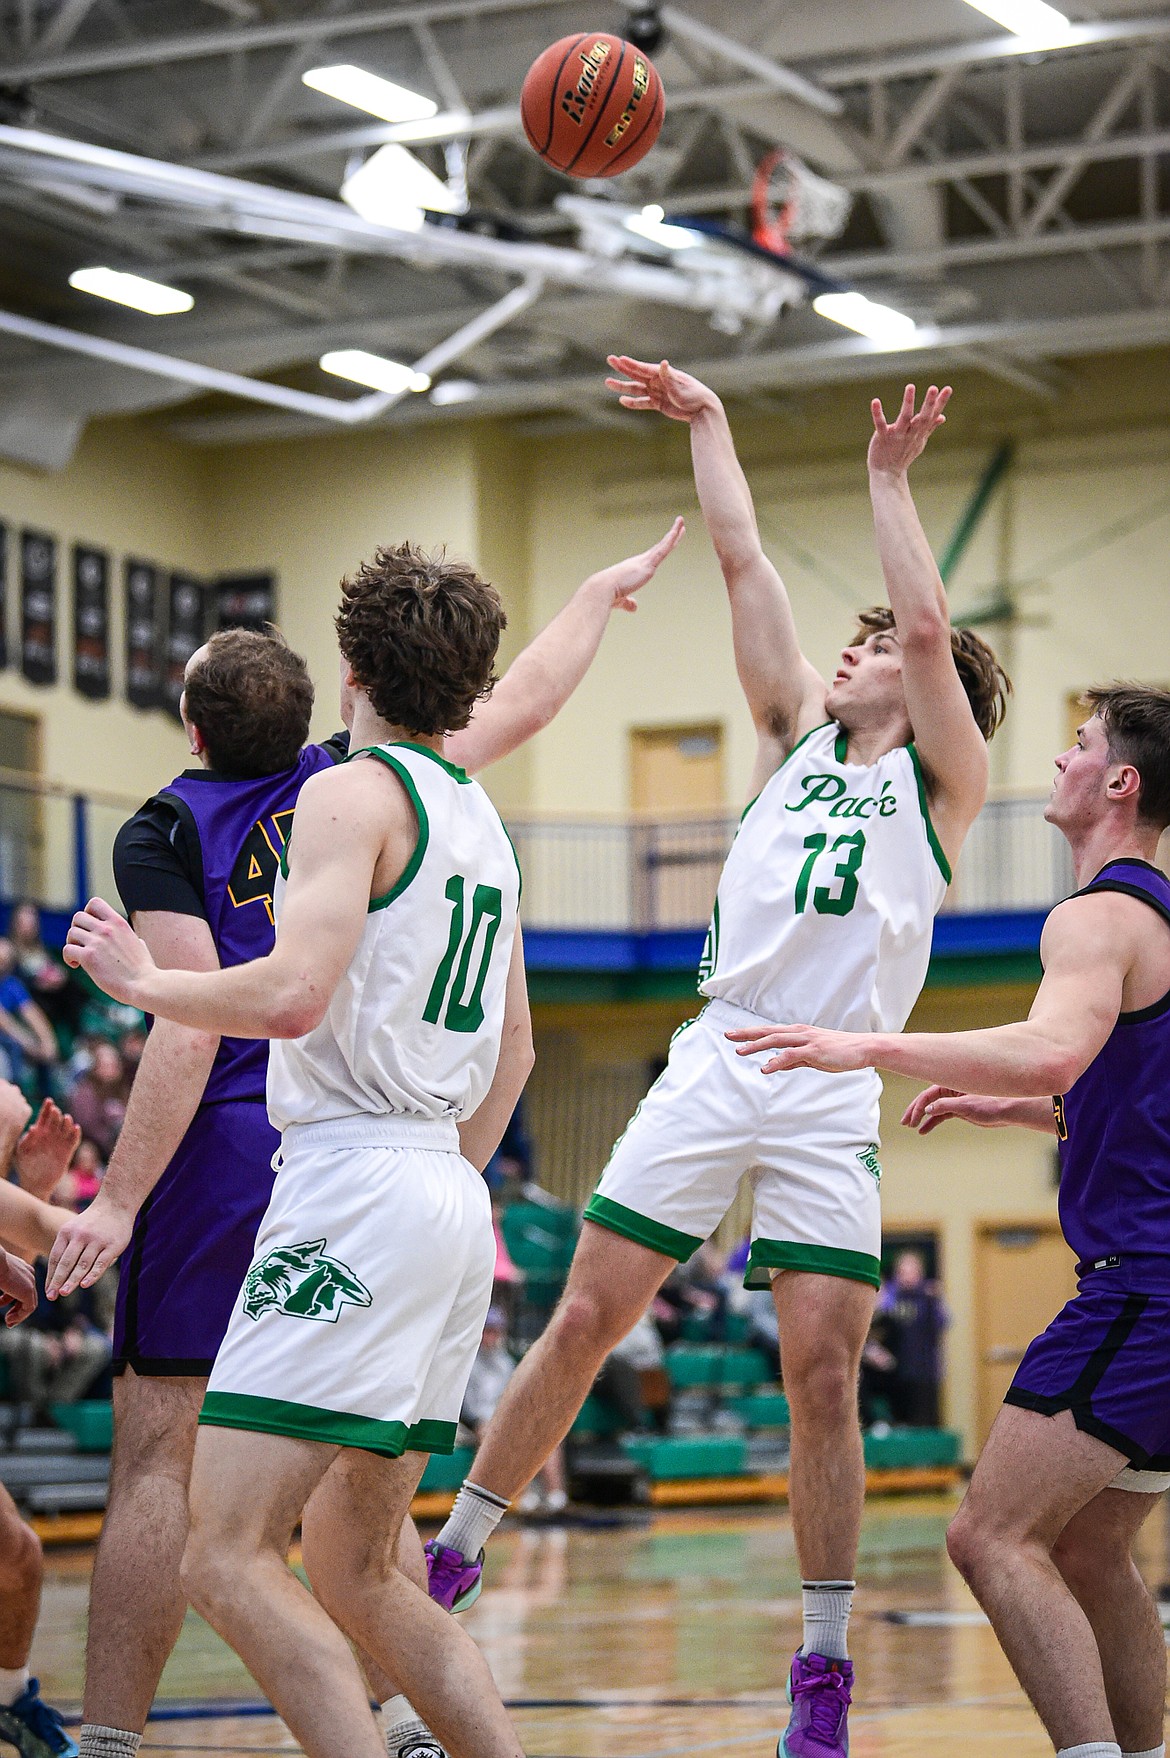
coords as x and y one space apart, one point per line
242 827
1114 1123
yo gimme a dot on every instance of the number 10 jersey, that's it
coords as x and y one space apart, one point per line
414 1026
827 900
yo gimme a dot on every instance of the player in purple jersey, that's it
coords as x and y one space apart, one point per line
1080 1454
191 1175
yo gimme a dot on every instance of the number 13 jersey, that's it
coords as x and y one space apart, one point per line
415 1024
827 900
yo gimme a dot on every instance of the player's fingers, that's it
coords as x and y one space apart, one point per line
945 396
881 425
907 410
101 911
62 1260
83 1264
637 403
99 1266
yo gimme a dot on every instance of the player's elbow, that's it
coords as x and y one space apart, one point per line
1062 1066
925 630
297 1013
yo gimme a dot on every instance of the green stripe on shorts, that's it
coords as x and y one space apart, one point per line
304 1422
641 1229
821 1260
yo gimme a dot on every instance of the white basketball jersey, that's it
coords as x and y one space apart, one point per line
826 903
414 1027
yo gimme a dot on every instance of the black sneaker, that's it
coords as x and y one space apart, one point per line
33 1728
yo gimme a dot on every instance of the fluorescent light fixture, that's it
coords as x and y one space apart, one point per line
374 370
649 224
881 323
1026 18
393 187
131 290
454 390
369 92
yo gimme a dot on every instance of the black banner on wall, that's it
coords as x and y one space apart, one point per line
143 635
245 601
4 552
91 622
38 607
185 632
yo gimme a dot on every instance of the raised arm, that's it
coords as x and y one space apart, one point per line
350 822
1088 947
785 694
481 1134
541 679
165 1096
937 1105
952 749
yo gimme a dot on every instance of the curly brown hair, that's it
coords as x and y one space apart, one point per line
251 697
420 635
983 677
1137 724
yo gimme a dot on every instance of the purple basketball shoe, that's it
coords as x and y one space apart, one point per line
452 1581
820 1692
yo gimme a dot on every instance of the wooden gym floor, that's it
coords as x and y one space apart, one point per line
663 1640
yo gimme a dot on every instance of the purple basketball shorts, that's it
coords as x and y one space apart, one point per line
1106 1357
193 1241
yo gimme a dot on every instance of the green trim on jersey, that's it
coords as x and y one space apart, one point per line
515 857
640 1228
460 775
821 1260
424 828
931 837
841 746
796 747
306 1422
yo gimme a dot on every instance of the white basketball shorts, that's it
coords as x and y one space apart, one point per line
809 1142
360 1317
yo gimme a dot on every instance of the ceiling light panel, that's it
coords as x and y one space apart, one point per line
374 370
132 290
881 323
1026 18
370 92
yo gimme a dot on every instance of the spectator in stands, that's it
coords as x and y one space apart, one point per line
693 1289
878 1369
97 1098
915 1321
57 1354
50 982
634 1368
511 1164
492 1369
27 1042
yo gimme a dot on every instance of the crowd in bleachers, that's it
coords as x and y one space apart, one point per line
62 1039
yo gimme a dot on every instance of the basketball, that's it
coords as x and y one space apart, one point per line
592 105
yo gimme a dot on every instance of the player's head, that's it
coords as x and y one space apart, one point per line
867 688
246 704
418 637
1119 765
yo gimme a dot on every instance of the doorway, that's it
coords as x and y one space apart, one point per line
22 829
677 792
1024 1274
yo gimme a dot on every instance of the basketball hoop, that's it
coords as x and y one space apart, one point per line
791 202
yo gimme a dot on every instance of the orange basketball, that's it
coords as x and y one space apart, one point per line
592 105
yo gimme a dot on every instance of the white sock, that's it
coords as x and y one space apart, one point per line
402 1726
1093 1749
1150 1752
108 1742
827 1605
13 1683
473 1519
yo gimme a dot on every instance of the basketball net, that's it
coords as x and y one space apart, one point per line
791 202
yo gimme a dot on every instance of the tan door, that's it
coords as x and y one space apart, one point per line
22 828
1024 1274
676 790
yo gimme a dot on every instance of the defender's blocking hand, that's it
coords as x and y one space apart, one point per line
104 944
933 1106
896 444
619 582
45 1153
661 387
19 1286
801 1046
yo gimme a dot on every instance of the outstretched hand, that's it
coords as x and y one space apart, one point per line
801 1046
896 444
933 1106
623 579
19 1287
661 387
86 1245
45 1153
104 945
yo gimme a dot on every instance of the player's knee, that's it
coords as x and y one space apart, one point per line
586 1324
967 1542
821 1388
206 1573
1087 1563
20 1556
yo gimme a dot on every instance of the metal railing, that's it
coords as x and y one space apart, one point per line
617 874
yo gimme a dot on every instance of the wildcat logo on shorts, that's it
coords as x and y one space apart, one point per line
301 1282
869 1159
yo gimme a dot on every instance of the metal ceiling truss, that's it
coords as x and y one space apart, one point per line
970 175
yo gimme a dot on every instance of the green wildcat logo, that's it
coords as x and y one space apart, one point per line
301 1282
869 1159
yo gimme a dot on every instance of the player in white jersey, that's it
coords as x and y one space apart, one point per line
865 788
396 993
